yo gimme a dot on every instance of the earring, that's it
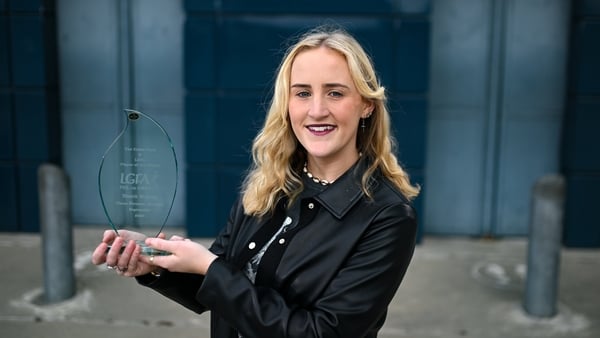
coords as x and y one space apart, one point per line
363 120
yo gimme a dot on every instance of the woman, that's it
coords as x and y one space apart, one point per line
323 231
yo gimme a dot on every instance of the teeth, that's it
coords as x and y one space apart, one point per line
321 128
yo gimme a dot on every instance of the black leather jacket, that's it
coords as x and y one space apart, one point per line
332 276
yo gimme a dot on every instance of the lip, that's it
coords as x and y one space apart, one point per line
320 129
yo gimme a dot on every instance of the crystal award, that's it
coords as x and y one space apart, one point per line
137 179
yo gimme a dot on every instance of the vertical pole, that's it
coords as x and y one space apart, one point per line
57 237
544 246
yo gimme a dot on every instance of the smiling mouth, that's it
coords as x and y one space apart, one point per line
320 129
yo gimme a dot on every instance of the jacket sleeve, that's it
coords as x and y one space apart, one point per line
182 287
353 304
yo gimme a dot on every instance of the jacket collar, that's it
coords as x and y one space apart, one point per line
343 194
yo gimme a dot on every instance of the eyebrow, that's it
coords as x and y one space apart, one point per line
326 85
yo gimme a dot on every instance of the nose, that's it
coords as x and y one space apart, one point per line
318 108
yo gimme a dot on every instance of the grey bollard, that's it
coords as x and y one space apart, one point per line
57 236
545 238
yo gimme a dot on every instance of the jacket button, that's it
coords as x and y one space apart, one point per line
252 245
282 241
311 205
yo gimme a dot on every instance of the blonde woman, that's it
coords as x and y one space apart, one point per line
323 231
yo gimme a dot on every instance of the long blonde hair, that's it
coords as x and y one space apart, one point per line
277 155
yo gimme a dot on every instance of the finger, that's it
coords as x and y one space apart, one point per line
125 257
176 238
162 235
128 235
108 236
134 261
112 256
99 255
154 261
160 244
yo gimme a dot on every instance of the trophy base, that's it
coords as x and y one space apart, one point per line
146 250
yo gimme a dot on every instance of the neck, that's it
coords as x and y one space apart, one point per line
329 171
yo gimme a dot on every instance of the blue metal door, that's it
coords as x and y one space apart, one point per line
496 104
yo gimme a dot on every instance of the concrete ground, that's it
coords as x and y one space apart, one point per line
455 287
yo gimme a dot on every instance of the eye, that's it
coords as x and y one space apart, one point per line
303 93
335 93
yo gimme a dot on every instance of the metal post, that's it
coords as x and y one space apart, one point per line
545 235
57 237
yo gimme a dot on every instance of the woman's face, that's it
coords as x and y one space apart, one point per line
325 107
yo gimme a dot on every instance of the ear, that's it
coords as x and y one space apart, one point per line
368 109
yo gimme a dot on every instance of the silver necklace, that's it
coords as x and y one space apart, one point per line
315 179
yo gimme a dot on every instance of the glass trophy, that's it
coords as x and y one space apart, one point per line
138 177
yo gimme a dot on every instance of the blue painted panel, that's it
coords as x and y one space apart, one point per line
528 151
27 51
53 127
212 191
376 35
257 59
29 216
535 54
9 206
201 204
581 216
530 111
31 125
586 7
457 153
581 160
6 128
409 124
158 75
327 7
83 157
582 123
89 57
585 68
211 194
50 49
413 7
200 128
230 179
26 5
412 56
239 118
460 55
316 6
199 6
417 177
250 50
199 53
4 48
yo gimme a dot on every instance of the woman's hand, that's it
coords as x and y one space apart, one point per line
124 253
186 256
